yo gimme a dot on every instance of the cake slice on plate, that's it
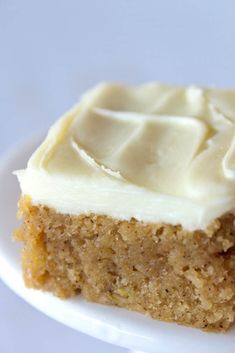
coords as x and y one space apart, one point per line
130 201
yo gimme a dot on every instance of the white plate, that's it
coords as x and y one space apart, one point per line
114 325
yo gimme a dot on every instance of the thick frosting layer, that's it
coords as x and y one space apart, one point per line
153 152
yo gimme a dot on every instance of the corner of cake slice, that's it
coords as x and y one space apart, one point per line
130 199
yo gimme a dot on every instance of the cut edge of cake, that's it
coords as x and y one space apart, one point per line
160 270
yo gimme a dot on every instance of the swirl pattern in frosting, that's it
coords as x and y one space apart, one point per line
154 152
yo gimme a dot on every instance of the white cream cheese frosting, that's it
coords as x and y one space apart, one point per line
153 152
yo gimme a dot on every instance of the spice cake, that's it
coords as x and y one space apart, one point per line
130 202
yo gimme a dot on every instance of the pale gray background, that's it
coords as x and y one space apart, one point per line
51 50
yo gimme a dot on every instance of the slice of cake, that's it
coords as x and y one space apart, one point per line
130 202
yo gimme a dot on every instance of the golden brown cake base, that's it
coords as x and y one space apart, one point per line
157 269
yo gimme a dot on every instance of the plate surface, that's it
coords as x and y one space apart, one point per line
110 324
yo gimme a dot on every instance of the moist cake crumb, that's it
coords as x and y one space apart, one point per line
157 269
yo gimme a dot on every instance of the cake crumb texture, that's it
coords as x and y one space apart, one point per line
161 270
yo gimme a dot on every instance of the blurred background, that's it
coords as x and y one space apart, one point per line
53 50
